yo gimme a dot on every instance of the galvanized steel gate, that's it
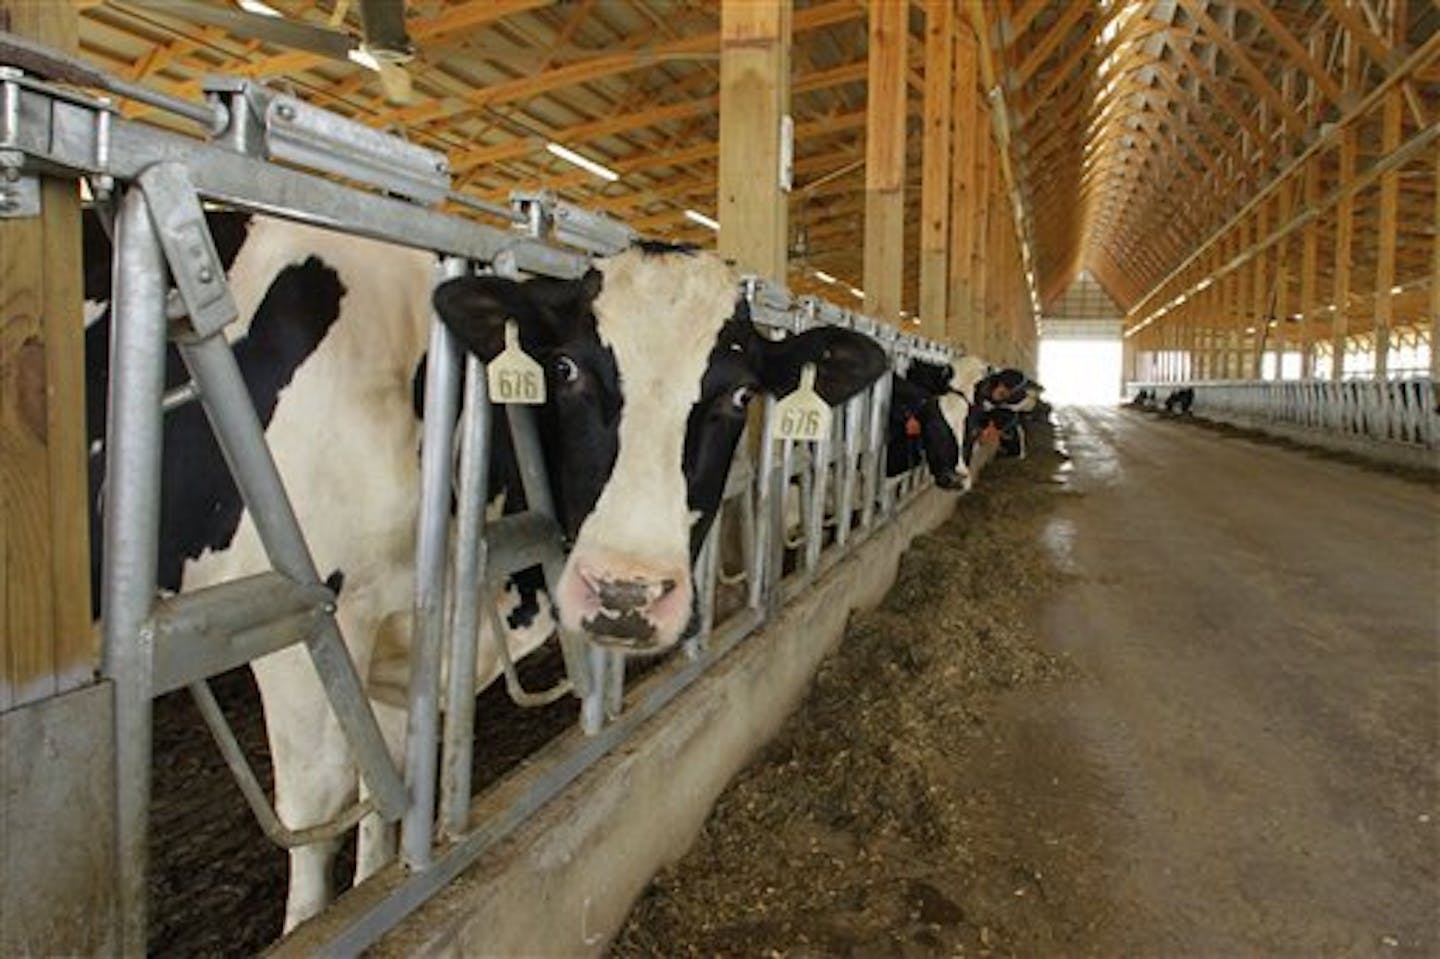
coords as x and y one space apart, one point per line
263 155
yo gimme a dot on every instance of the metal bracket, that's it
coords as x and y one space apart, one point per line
19 194
265 122
194 263
543 214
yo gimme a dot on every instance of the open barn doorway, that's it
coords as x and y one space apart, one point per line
1081 372
1080 347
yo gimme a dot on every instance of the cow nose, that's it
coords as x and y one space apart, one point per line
629 595
948 481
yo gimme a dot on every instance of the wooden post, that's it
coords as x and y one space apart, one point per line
969 139
936 169
754 95
1344 235
1285 207
1261 299
980 221
1237 290
1435 283
1387 228
1309 262
46 642
885 159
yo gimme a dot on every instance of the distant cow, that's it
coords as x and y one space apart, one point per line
1179 401
650 364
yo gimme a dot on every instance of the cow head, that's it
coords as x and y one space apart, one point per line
919 428
650 364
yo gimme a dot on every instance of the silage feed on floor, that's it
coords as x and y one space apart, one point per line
860 830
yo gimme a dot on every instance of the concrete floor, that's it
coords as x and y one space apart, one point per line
1258 633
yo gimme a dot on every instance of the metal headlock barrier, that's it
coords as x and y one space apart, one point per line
267 152
1397 412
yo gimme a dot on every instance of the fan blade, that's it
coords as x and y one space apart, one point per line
384 24
274 30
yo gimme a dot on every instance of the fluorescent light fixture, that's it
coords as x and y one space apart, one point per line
258 8
700 218
826 277
1249 329
584 162
856 291
1396 289
365 58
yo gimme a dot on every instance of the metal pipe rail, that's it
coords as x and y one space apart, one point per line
1393 412
161 178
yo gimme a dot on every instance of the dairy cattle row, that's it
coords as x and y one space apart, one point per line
650 361
955 418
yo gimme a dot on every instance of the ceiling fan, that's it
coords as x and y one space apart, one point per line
383 46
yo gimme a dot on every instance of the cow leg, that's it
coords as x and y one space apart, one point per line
314 773
376 843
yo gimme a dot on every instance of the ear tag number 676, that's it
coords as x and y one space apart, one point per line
513 377
802 416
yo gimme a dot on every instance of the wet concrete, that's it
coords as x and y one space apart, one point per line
1259 720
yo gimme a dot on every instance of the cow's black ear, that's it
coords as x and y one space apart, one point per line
476 308
845 362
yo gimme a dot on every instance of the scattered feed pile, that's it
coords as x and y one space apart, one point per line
877 821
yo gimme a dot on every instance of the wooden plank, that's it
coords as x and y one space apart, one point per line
754 95
885 159
46 643
1392 116
936 168
970 137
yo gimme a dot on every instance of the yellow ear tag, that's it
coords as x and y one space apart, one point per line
802 416
513 376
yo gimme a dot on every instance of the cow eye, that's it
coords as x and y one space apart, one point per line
742 397
565 369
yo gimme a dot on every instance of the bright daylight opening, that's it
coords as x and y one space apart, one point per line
1081 372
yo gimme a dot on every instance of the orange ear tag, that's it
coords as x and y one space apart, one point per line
912 428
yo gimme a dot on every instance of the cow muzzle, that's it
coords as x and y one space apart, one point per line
633 612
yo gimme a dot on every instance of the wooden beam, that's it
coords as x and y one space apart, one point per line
1435 278
970 138
1309 264
1344 235
1298 54
885 159
1392 117
1055 34
754 95
46 640
1256 79
588 71
576 135
936 166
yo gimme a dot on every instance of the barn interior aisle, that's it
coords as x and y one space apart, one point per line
1257 631
1145 712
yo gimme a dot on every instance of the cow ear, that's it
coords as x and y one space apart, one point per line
845 362
475 309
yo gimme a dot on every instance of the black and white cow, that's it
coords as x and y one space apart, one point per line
650 364
919 432
1179 401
